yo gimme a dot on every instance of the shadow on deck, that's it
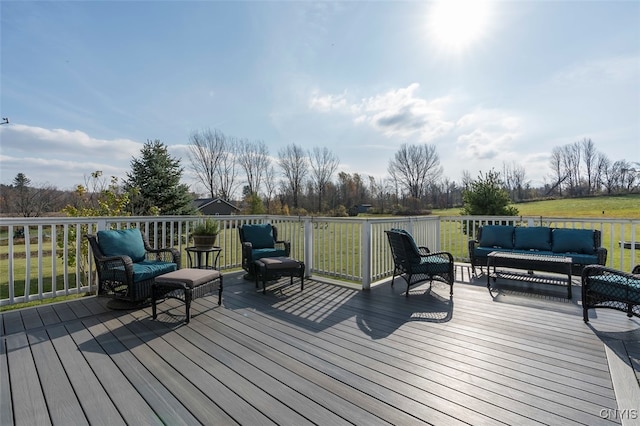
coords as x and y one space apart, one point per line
327 355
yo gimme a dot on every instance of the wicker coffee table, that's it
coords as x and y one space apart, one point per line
528 262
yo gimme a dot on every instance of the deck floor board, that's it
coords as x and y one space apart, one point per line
328 355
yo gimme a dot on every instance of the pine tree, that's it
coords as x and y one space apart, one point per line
155 182
487 197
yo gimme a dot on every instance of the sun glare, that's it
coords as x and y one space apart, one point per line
455 25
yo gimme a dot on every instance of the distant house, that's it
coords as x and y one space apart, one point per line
214 206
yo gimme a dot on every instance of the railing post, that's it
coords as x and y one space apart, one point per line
308 246
365 255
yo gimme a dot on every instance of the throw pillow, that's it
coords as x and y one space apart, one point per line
572 241
260 236
125 242
536 238
497 236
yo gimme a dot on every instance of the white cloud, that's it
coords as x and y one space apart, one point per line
396 113
487 134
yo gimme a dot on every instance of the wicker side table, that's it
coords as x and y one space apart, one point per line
185 285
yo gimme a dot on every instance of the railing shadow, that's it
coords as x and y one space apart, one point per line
378 313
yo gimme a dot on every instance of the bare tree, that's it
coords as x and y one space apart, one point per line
323 165
253 157
205 153
514 179
28 200
270 184
293 163
589 155
414 167
602 164
228 170
558 175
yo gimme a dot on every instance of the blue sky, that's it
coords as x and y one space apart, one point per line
85 84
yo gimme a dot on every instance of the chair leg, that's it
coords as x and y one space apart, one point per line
220 292
187 303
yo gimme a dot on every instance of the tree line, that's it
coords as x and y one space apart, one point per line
306 181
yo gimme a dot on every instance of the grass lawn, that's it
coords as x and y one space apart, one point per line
618 207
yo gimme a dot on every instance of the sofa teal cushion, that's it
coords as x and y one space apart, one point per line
582 259
573 241
125 242
497 236
260 236
534 238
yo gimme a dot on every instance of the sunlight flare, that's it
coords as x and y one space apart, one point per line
455 25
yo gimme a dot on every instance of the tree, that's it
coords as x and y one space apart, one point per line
323 165
155 178
486 196
590 156
205 153
253 158
30 201
414 167
514 178
293 163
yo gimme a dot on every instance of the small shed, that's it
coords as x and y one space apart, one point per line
215 206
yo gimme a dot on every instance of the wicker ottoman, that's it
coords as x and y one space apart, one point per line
186 285
269 268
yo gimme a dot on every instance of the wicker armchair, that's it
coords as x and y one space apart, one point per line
604 287
126 264
417 264
258 241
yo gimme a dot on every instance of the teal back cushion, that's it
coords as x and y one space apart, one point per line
573 241
409 237
127 242
534 238
497 236
260 236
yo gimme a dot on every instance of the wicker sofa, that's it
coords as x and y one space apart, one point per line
604 287
581 245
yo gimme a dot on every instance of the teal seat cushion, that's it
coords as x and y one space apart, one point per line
497 236
267 252
125 242
148 269
615 286
260 236
432 265
536 238
573 240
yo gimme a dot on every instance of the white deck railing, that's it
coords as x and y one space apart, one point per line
352 250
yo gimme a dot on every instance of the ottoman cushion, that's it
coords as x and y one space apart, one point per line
189 276
279 262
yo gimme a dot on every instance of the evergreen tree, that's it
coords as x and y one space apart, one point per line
485 196
155 181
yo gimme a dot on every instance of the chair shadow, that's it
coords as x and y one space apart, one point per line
378 312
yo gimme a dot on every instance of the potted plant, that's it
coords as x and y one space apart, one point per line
205 233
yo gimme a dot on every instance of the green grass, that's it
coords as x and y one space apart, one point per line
619 207
344 254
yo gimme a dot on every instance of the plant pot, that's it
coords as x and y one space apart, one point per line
204 241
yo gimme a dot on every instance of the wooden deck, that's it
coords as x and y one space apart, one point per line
327 355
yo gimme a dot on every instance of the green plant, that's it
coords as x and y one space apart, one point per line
206 227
